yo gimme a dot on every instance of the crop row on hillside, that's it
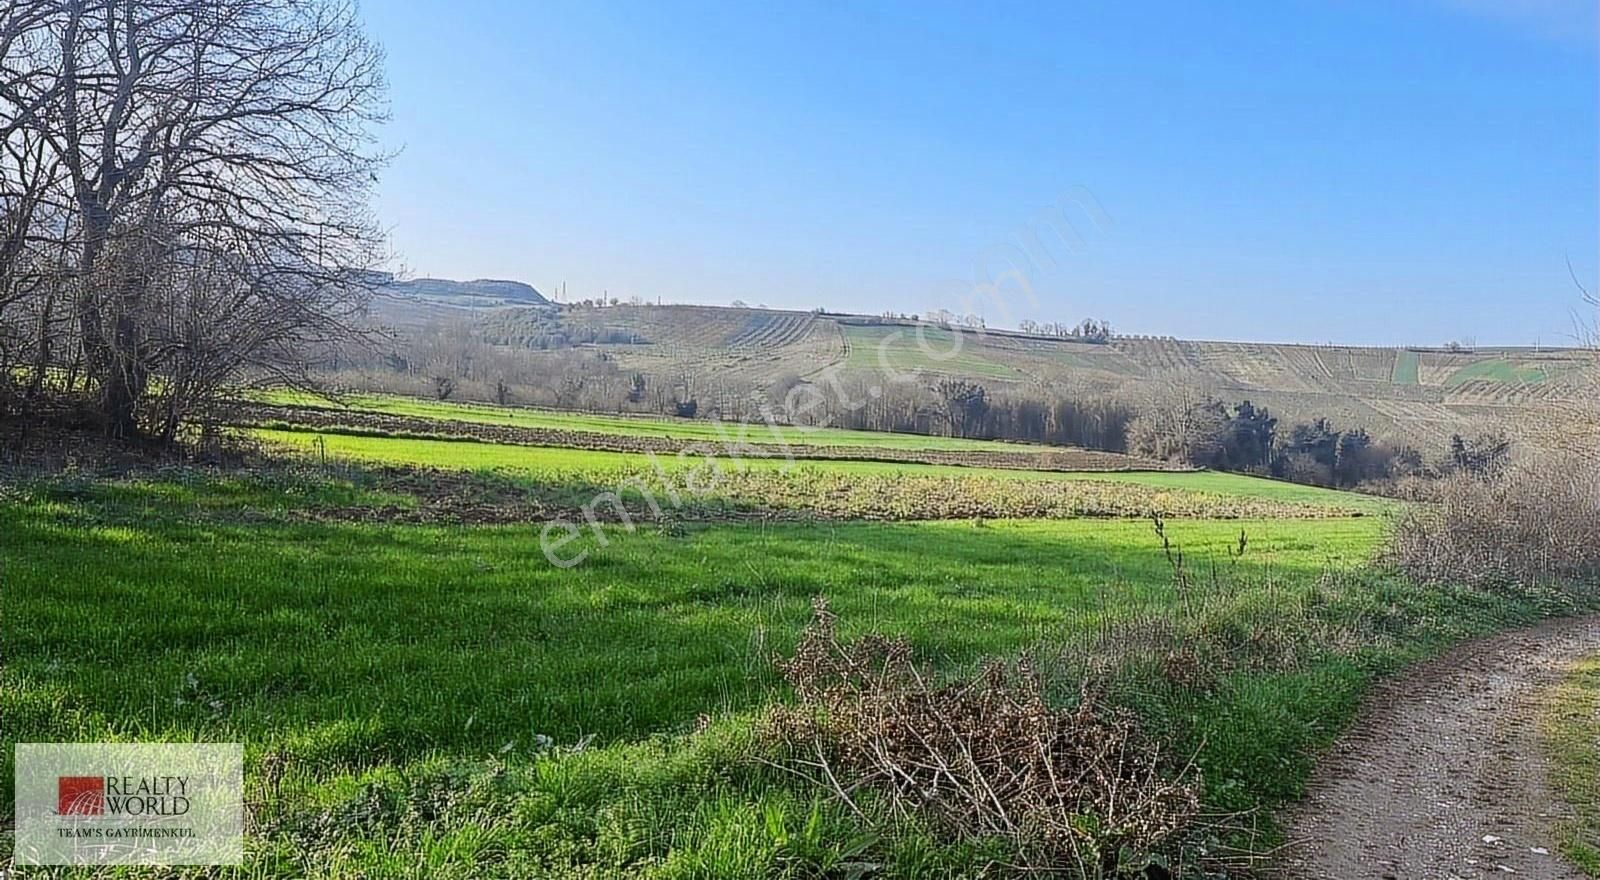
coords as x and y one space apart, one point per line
772 329
1498 370
1406 364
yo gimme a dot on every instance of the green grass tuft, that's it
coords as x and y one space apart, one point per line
1570 726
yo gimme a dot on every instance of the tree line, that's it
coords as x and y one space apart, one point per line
1166 419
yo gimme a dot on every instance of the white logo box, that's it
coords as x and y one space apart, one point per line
129 804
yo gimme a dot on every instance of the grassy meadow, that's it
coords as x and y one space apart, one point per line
604 469
946 352
433 626
434 698
440 701
634 425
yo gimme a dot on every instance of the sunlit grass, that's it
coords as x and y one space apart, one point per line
405 680
635 425
648 632
602 467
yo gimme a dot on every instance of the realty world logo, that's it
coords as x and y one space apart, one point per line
129 804
122 795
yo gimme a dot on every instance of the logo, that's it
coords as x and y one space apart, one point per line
80 795
129 804
122 795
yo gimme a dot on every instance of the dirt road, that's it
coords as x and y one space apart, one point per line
1443 776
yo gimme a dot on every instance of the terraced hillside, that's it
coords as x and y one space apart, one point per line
752 345
1421 395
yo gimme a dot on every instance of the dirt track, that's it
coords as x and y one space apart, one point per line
1443 776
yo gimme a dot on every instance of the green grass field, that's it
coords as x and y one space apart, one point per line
636 426
442 700
482 626
413 699
1407 363
871 348
599 467
1496 370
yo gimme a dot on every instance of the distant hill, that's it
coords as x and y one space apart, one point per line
476 293
1420 394
418 302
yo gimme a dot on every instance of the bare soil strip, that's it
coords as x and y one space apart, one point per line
1443 774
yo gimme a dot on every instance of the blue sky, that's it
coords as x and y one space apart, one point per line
1406 171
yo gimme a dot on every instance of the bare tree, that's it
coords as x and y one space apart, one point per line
215 158
1177 420
962 405
30 199
1573 425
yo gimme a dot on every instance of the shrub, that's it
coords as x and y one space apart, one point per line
1079 789
1534 519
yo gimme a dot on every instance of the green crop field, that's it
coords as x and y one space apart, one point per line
937 351
597 468
1406 363
635 426
441 701
1496 370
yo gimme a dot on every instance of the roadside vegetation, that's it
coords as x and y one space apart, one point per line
1570 726
1530 517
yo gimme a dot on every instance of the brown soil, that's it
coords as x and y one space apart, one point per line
1443 775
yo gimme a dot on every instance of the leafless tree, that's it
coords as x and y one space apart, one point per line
962 405
212 160
30 207
1177 419
1574 425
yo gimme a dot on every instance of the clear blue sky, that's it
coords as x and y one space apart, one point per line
1385 172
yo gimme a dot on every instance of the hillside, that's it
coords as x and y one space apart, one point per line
417 302
476 293
1420 394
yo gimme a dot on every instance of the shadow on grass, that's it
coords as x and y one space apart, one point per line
423 637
